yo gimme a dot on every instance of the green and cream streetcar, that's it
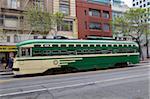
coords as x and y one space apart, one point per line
42 56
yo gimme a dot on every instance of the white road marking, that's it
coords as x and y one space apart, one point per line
74 85
6 73
83 73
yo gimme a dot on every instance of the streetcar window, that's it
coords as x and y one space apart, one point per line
103 45
85 51
115 45
63 45
92 51
133 45
71 52
55 52
78 45
71 46
109 45
98 51
106 51
85 45
125 45
98 45
54 45
46 53
79 52
23 52
26 52
37 45
92 46
63 52
37 53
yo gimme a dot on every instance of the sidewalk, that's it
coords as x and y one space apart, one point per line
145 61
2 69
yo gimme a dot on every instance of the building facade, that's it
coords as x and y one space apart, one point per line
68 8
118 10
14 28
94 18
142 4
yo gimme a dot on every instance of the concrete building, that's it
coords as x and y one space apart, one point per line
142 4
93 17
14 28
118 10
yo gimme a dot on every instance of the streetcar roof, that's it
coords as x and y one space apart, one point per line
74 42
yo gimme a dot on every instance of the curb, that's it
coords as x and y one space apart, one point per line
145 61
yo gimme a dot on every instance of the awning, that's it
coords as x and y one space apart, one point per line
8 48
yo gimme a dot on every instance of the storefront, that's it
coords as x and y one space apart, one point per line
7 51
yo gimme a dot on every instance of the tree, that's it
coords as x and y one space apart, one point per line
147 33
132 24
43 21
57 21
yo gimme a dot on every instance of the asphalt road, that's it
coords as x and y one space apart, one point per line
122 83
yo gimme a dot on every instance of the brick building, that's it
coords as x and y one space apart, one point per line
93 18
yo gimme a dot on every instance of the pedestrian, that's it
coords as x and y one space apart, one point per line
9 63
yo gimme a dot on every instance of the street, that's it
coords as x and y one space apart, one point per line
120 83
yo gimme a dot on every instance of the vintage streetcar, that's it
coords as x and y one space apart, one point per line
47 56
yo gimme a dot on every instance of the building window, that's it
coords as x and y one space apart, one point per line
140 1
106 27
137 3
94 12
148 3
95 26
13 4
44 37
16 38
1 20
35 37
67 26
144 5
39 4
105 14
11 21
133 4
8 38
64 6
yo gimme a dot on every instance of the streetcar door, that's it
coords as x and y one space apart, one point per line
26 52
